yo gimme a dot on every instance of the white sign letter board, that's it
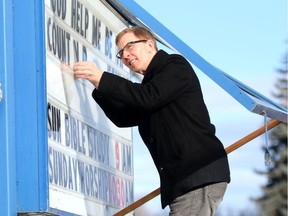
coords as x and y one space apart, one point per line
90 160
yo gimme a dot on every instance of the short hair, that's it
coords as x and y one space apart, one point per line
138 31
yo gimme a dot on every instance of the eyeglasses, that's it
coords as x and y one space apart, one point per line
127 48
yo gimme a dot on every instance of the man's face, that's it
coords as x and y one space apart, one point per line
135 52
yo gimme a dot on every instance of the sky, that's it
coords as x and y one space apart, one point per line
245 39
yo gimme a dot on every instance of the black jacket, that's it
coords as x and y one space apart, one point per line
173 121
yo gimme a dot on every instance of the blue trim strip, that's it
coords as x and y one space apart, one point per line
7 113
42 104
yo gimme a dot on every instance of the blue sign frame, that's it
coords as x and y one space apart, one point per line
23 125
24 185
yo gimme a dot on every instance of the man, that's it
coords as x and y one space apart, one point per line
172 119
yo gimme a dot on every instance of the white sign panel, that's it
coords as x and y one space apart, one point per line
90 160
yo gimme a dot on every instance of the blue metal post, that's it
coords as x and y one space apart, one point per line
30 106
23 126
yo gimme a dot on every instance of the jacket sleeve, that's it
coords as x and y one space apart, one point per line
119 113
167 83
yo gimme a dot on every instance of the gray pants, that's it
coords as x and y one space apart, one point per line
201 202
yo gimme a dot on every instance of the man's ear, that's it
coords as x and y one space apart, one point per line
151 44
